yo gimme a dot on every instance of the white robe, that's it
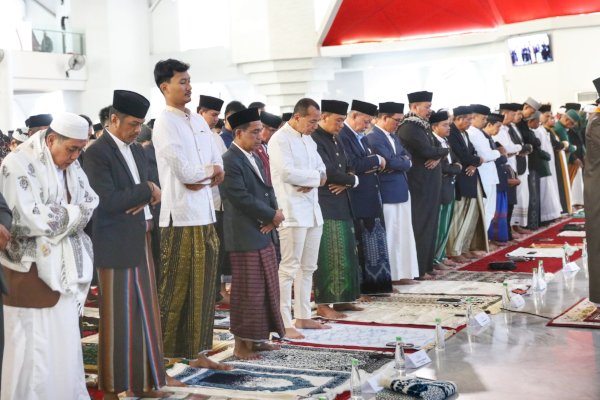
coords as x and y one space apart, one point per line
402 248
42 353
577 189
549 195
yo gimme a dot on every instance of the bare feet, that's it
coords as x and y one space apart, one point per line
427 277
325 311
265 346
347 307
174 382
499 244
442 267
310 324
226 297
293 333
243 350
204 362
111 396
365 299
405 282
450 263
460 259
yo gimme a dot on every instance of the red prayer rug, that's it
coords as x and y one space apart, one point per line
583 314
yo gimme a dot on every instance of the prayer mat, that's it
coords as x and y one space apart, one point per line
480 302
546 236
583 314
579 214
480 276
222 319
421 388
90 357
454 287
256 381
368 336
580 234
304 357
530 252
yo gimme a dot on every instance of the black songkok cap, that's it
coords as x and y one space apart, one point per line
364 107
462 110
243 117
510 106
493 118
438 117
38 120
285 117
220 124
130 103
573 106
545 108
480 109
420 97
269 119
334 107
391 108
97 127
212 103
596 83
518 106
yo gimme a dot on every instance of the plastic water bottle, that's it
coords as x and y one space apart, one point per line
566 251
535 278
506 293
469 311
440 338
400 360
355 384
584 253
541 276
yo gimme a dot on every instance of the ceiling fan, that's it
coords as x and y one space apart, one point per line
75 63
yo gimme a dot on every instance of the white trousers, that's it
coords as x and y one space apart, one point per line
42 353
489 204
299 255
402 248
521 209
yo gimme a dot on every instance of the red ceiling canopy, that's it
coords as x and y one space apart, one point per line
359 21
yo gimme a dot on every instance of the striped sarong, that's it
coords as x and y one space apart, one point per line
255 303
130 340
186 290
336 279
445 217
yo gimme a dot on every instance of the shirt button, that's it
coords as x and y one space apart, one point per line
340 165
267 194
337 154
376 186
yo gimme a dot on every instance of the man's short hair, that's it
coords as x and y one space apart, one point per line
104 115
257 104
116 112
242 127
89 121
233 107
164 70
303 105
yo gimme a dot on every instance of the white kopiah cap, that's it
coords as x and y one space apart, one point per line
70 125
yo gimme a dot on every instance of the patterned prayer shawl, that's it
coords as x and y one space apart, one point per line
412 117
46 229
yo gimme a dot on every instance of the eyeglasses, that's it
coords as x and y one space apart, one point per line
398 120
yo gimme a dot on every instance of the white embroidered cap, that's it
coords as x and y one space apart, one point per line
70 125
19 136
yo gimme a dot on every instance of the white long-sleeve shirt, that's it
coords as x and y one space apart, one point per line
295 163
186 153
487 170
503 137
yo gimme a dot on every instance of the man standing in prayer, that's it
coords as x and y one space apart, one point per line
440 127
468 236
539 169
251 217
130 344
270 123
424 177
365 200
337 276
226 133
296 171
48 263
189 164
209 108
484 147
499 226
395 194
561 127
592 200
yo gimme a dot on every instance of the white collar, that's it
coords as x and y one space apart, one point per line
118 141
246 153
178 112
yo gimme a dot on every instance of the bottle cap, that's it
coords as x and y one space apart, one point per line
354 362
438 320
504 284
398 338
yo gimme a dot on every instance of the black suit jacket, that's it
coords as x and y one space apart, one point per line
332 153
6 220
365 198
449 173
466 186
119 239
248 203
